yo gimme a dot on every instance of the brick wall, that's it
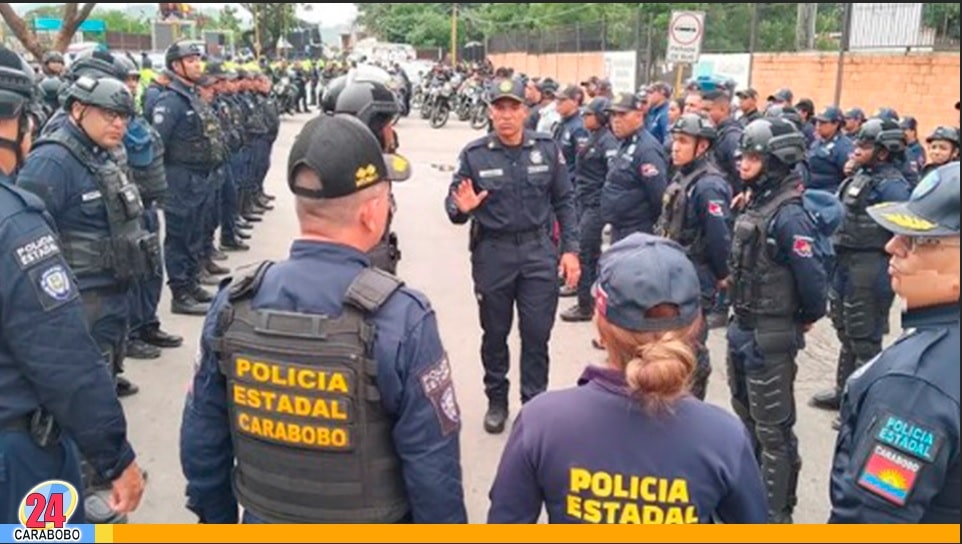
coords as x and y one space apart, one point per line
923 85
564 67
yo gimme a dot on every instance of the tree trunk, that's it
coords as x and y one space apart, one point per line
72 18
19 28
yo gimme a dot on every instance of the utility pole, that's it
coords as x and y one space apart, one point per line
806 27
257 32
846 45
752 44
454 35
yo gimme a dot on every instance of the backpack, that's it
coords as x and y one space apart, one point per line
827 212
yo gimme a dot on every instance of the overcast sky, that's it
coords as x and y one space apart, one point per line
329 14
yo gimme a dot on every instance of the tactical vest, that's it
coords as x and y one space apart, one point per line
203 151
237 119
152 180
254 123
272 113
763 291
312 442
231 134
859 232
674 223
129 252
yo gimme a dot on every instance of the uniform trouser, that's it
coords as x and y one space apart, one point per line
211 215
229 201
592 230
24 465
262 165
761 379
699 386
107 311
184 218
860 302
509 273
145 293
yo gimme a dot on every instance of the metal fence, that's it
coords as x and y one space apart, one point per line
127 41
575 38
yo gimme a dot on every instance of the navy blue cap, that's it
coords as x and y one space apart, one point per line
783 95
831 114
909 123
642 272
624 102
933 210
508 89
855 113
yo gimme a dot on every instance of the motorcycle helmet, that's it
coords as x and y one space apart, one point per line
371 102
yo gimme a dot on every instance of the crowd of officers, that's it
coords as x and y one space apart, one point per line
323 394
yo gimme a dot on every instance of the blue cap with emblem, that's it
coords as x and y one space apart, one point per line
933 210
643 272
508 89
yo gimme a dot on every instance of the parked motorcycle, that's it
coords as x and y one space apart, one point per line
285 93
442 102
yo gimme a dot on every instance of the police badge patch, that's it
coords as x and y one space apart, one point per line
54 286
439 389
537 157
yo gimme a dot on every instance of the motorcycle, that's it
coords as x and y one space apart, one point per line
441 112
285 93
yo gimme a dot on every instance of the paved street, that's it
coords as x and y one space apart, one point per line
436 262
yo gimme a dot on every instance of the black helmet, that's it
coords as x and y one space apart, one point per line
788 113
17 84
96 64
50 90
599 107
945 134
332 93
883 134
889 114
695 125
182 49
774 138
107 93
371 102
52 56
129 66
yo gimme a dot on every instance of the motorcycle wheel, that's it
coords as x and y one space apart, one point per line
464 113
426 111
440 117
479 119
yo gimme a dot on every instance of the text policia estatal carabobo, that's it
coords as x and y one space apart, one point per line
609 498
293 405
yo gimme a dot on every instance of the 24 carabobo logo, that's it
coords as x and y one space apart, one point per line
49 505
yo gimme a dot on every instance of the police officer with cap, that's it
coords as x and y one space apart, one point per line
591 170
778 291
511 185
943 148
914 151
571 134
380 443
56 395
830 152
632 197
97 210
190 142
861 296
854 118
376 106
566 442
697 215
748 104
897 455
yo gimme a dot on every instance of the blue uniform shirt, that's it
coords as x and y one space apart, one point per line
314 281
572 137
56 121
826 161
726 151
70 192
893 187
591 167
656 121
637 178
151 97
915 157
592 455
897 455
47 357
709 210
525 186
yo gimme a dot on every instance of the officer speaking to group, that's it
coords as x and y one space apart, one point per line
340 407
897 455
510 185
56 392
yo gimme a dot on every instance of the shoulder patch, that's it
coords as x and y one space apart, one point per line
649 170
36 251
889 475
438 386
909 437
803 247
716 208
54 286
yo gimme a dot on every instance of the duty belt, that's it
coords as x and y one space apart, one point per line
18 425
515 237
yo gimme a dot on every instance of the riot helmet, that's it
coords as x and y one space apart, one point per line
372 103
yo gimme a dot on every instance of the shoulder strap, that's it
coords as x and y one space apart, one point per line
75 148
246 284
371 289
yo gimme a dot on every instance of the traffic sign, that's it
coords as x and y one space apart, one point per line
685 35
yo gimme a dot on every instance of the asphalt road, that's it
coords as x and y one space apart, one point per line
436 262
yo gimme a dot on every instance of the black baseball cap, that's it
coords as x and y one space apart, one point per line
747 93
345 155
508 89
933 210
624 102
782 95
643 272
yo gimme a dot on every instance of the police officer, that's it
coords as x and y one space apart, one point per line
189 135
591 170
914 151
51 403
571 134
508 184
96 64
210 272
897 456
253 204
696 215
567 444
830 152
854 118
748 104
53 64
153 91
375 106
232 126
656 119
631 200
778 291
861 297
145 160
382 443
717 106
269 111
97 210
943 148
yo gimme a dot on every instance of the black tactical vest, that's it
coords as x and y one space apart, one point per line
255 123
129 251
673 223
204 150
859 232
312 441
763 291
152 180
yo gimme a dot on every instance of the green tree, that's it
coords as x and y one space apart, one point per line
228 19
119 21
273 22
72 14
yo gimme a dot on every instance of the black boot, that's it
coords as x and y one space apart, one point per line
202 295
185 304
234 246
216 270
831 400
577 314
496 418
157 337
142 351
